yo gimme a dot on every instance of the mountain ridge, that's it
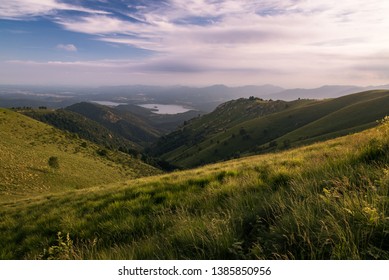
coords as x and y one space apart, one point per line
192 145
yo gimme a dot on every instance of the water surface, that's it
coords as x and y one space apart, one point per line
170 109
109 103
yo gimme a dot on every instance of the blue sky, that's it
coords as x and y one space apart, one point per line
291 43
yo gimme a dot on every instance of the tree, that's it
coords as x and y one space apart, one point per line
53 162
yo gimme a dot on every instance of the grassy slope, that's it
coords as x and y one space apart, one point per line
324 201
204 132
299 124
363 112
81 125
26 145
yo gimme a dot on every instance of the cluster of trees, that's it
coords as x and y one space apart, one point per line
28 108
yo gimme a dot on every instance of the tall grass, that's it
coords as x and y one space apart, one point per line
324 201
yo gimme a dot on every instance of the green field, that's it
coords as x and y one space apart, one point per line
27 145
324 201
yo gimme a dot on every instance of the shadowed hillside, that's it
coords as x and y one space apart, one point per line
125 124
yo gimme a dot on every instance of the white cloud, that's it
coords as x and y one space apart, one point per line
68 47
286 42
19 9
99 24
197 24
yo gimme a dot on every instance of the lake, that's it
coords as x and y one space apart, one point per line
109 103
166 108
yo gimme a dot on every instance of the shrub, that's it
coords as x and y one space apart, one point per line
102 152
53 162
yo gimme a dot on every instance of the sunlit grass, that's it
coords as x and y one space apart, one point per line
27 145
324 201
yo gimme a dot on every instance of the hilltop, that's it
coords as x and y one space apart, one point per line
26 145
249 126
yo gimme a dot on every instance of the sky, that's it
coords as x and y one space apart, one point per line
289 43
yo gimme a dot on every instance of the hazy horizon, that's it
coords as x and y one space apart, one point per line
162 86
286 43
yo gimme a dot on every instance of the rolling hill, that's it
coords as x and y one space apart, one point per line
123 123
248 126
27 145
323 201
82 126
62 197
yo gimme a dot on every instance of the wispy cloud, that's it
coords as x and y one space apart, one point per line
22 9
67 47
279 41
231 23
99 24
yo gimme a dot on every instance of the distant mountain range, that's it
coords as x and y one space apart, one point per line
203 99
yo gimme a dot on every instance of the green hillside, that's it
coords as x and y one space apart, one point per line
225 117
289 124
26 146
323 201
122 123
82 126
